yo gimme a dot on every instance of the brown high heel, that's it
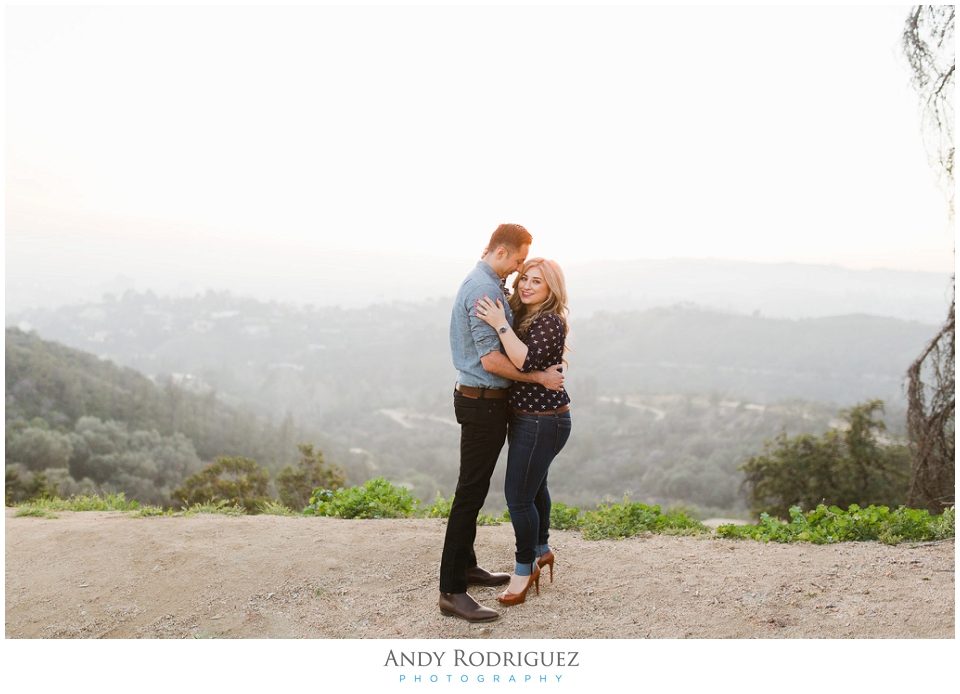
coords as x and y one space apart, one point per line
545 559
508 598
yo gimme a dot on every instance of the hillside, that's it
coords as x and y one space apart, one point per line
669 402
314 362
92 426
106 575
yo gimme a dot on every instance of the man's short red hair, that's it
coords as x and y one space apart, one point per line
510 236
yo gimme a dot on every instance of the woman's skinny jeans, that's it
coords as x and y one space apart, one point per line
535 441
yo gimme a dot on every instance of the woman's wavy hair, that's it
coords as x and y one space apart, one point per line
556 301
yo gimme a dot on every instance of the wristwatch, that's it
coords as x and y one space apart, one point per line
503 330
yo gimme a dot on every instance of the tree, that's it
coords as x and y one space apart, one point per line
296 486
232 480
928 43
38 449
840 468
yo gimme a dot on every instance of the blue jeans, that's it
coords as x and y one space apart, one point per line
535 441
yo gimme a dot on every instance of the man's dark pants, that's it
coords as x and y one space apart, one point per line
483 430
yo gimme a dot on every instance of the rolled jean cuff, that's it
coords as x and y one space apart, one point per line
523 569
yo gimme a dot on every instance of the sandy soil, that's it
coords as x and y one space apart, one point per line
96 575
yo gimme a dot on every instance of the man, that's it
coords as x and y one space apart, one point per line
480 402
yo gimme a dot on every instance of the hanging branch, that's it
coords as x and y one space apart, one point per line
928 44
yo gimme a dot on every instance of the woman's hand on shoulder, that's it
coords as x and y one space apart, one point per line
492 313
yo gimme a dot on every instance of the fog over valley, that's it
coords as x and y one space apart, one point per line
669 400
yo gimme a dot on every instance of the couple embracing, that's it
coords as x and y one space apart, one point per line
509 354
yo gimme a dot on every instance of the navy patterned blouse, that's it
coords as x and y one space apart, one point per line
544 349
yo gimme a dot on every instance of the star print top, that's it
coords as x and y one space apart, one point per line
544 349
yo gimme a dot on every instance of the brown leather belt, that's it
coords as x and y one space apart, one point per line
482 393
559 410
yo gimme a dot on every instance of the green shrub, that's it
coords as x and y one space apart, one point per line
840 468
224 508
440 508
617 521
563 517
296 485
108 502
825 525
375 498
238 481
487 519
274 508
34 511
28 487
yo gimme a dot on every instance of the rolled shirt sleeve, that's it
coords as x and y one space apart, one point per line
470 337
484 337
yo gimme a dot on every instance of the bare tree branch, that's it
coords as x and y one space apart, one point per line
928 45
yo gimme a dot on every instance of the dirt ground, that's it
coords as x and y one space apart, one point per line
108 575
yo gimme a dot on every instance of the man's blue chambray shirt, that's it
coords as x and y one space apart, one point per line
470 337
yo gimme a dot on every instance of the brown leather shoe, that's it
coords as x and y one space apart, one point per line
481 577
463 606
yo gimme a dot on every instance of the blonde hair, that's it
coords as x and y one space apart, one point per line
556 301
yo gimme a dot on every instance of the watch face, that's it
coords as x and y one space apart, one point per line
503 329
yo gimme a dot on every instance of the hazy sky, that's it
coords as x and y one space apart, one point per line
266 148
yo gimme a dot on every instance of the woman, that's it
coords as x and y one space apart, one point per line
539 418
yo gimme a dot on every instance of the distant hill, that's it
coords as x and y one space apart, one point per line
840 359
775 290
60 385
314 362
668 402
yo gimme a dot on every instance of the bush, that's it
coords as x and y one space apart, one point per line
28 487
618 521
841 468
440 508
825 525
563 517
296 486
376 498
237 481
108 502
274 508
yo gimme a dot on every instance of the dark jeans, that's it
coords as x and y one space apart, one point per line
483 429
535 441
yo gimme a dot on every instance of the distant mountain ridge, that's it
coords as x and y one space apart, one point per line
780 290
668 401
310 361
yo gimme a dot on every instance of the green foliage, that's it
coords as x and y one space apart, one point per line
51 387
296 485
681 509
487 519
617 521
238 481
440 508
21 486
37 448
274 508
825 525
563 517
30 510
840 468
108 502
151 511
375 498
223 508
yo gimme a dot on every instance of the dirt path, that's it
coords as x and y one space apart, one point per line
95 575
